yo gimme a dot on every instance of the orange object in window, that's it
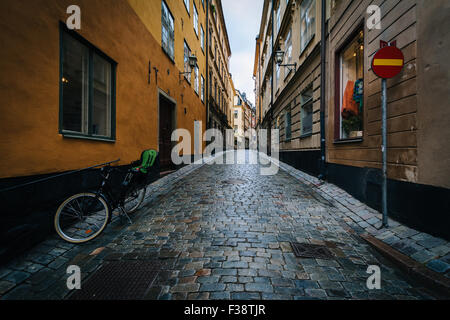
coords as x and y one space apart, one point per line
349 106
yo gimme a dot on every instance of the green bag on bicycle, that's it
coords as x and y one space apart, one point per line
148 158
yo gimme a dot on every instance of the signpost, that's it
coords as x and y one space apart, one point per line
387 63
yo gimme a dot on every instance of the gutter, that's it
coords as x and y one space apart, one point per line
206 93
323 42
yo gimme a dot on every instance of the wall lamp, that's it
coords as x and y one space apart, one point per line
279 58
192 65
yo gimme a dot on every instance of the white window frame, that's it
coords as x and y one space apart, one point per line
195 19
309 25
167 23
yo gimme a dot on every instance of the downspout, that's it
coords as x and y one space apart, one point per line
322 165
207 66
271 85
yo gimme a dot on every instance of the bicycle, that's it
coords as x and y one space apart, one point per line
84 216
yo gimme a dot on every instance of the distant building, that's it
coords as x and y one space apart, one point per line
243 118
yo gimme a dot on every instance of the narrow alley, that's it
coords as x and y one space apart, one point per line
220 232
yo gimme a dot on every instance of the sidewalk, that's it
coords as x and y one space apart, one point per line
432 252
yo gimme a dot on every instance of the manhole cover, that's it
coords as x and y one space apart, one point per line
233 181
306 250
119 280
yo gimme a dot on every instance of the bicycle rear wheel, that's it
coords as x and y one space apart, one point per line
82 217
134 199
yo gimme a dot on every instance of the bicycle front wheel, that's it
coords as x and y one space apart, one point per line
134 199
82 217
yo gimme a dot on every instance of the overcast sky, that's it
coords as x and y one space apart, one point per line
242 18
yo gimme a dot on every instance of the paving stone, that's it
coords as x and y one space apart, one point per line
316 293
5 286
208 279
260 287
306 284
245 296
234 240
234 287
212 287
189 287
17 277
438 266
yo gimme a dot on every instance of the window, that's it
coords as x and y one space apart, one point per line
87 104
236 114
202 93
307 22
186 4
187 68
306 103
278 76
278 18
288 48
196 80
287 125
202 38
195 20
351 84
168 31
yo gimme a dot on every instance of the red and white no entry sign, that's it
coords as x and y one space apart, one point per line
388 62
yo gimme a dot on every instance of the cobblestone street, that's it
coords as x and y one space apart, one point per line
222 232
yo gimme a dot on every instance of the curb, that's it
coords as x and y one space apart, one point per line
427 277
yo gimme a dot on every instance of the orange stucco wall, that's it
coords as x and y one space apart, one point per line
30 142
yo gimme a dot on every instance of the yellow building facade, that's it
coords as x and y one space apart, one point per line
128 36
71 99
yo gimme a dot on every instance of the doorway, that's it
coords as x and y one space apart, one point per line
166 127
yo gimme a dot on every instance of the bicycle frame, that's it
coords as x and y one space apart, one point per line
105 190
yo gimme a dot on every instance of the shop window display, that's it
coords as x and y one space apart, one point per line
352 89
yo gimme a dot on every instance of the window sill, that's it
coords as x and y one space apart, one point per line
306 135
83 137
346 141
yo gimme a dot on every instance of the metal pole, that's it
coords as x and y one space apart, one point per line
384 151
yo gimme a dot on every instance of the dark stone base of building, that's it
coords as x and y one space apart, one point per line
306 161
27 212
424 208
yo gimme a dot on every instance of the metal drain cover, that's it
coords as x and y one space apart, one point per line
307 250
119 280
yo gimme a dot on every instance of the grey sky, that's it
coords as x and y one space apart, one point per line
242 18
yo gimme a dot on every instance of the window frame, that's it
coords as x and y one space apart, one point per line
187 6
195 20
304 104
307 41
288 111
337 79
202 38
188 71
163 2
92 49
202 88
196 80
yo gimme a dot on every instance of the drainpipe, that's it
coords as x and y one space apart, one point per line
271 85
207 66
323 171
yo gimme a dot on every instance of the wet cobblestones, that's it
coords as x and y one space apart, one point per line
220 240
